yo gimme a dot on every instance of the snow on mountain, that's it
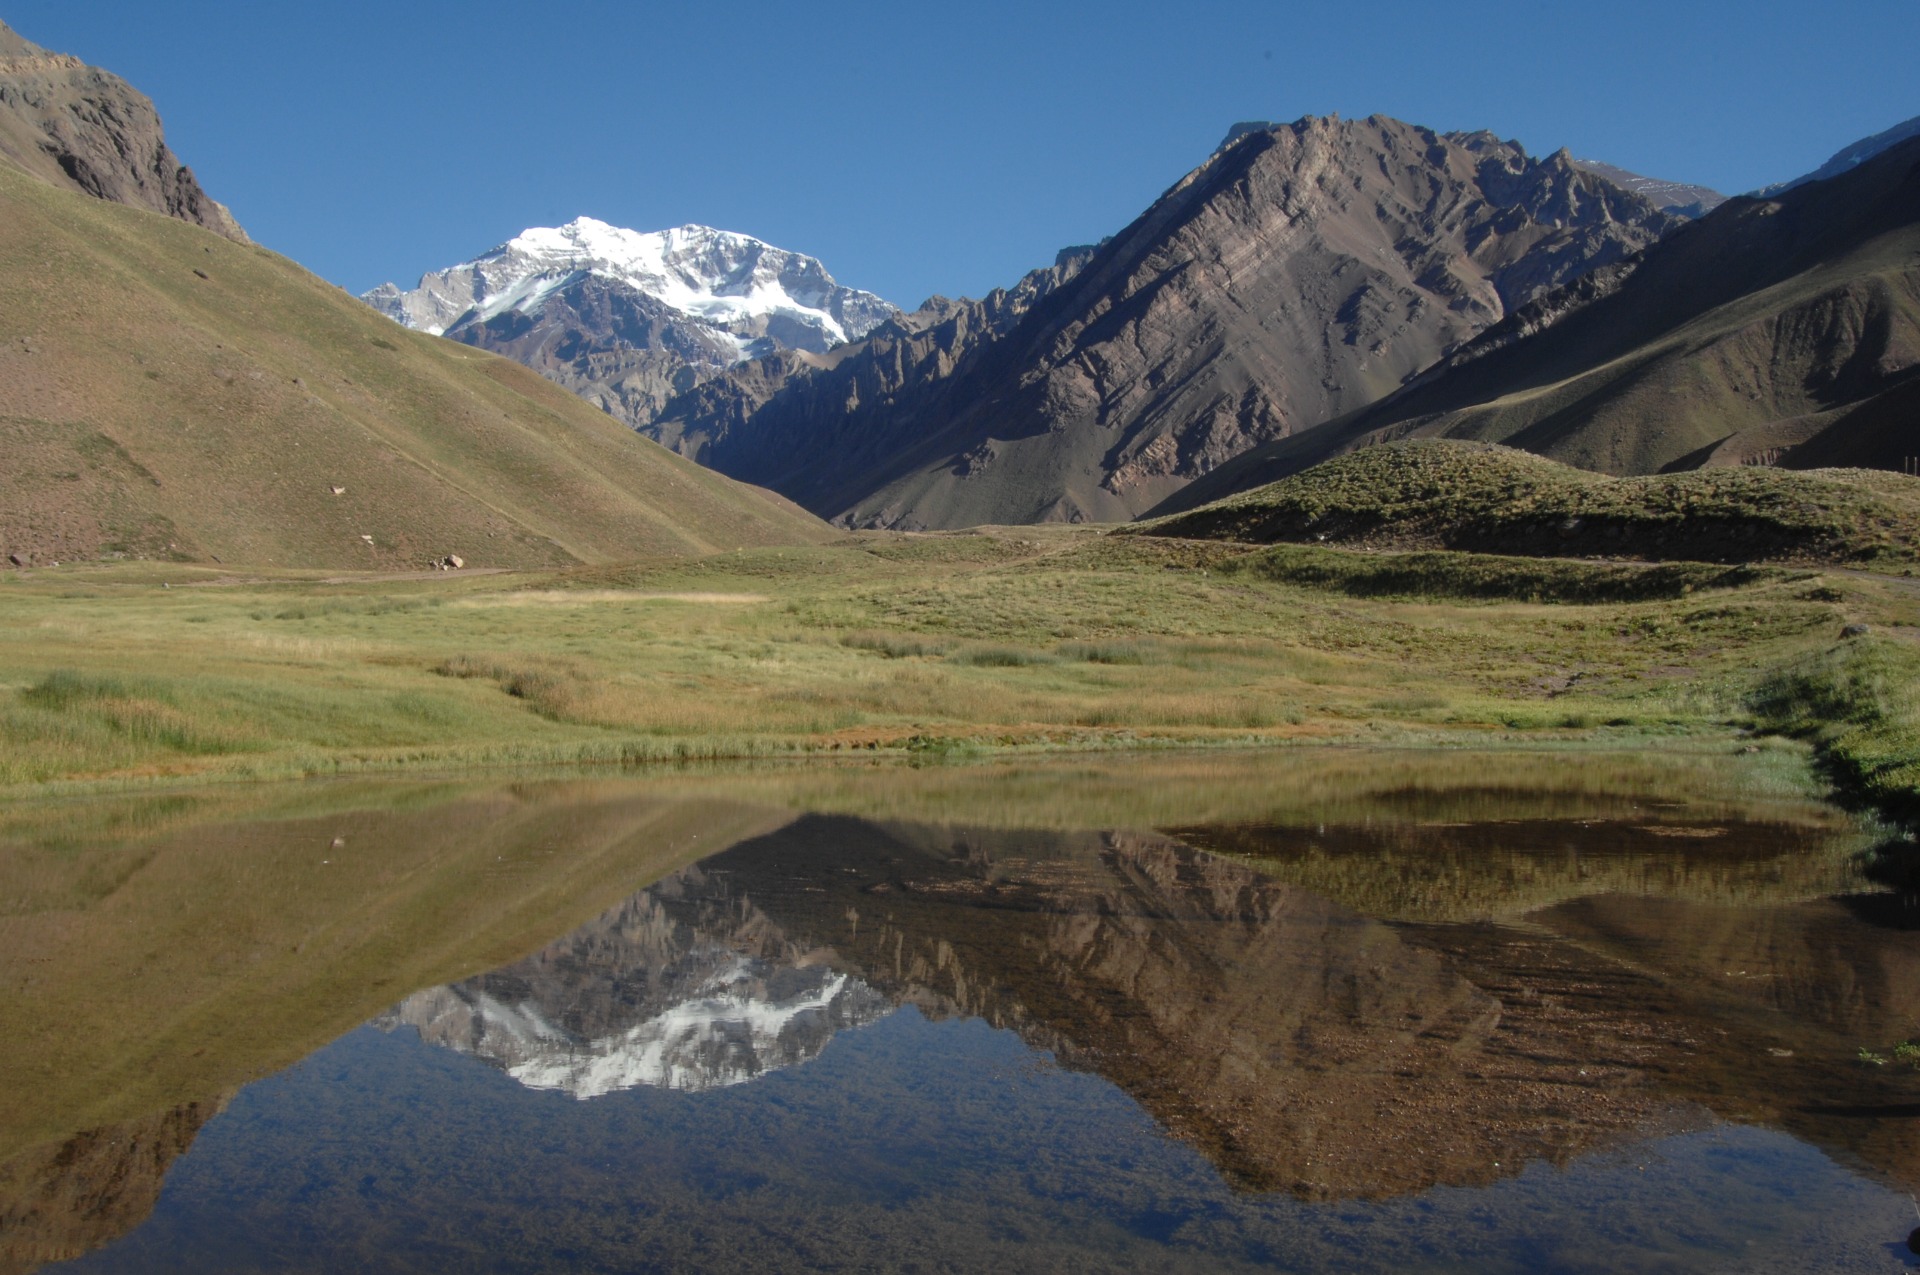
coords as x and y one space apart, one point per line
1683 199
756 294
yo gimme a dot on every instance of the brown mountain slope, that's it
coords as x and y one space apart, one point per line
167 392
1779 330
86 129
806 422
1302 271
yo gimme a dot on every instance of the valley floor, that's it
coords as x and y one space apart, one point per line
1023 638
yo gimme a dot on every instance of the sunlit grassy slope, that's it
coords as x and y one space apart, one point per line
1025 637
166 393
1462 495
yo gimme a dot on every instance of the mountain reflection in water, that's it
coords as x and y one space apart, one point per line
1471 1031
642 996
1298 1043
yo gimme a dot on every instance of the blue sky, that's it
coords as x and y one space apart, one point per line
918 148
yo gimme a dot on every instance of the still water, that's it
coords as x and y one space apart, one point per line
1386 1013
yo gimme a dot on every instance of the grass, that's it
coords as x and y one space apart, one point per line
1036 639
1481 497
191 399
1859 703
1440 575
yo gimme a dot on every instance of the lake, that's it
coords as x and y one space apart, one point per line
1318 1010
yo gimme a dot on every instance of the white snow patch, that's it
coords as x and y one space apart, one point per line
723 280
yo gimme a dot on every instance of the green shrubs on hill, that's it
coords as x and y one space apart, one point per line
1456 495
1484 577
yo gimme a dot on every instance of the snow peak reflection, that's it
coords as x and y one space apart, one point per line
649 994
1348 1034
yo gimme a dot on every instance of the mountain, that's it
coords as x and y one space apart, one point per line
1300 272
647 995
87 130
171 393
1678 198
626 319
807 424
1852 156
1775 331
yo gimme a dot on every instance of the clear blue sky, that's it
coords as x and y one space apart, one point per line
914 147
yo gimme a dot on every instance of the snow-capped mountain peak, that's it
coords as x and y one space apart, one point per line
737 285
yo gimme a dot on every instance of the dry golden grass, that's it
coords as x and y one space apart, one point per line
166 393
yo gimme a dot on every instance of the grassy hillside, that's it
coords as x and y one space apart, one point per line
1454 495
1784 331
167 393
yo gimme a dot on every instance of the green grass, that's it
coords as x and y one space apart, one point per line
1448 575
1037 639
1481 497
999 657
1859 703
1068 640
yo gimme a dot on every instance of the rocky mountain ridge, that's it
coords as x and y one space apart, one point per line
1778 331
1682 199
87 130
818 442
1301 271
626 319
1850 156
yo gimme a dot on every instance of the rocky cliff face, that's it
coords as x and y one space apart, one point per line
809 424
85 129
1302 271
1781 331
627 319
